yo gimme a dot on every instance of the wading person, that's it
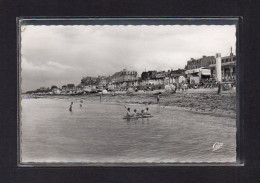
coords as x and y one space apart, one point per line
100 97
71 106
158 99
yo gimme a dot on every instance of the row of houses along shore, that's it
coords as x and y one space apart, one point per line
197 72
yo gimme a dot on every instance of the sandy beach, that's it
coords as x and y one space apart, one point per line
197 100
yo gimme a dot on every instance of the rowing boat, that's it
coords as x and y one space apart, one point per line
137 117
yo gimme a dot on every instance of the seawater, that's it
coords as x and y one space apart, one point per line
96 132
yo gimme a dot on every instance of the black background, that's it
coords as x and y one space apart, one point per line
249 90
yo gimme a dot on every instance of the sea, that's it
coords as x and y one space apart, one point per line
97 133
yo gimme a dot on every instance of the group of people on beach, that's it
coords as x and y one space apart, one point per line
135 113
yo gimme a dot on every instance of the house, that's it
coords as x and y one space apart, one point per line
228 67
42 89
176 74
103 81
56 91
124 78
64 87
89 80
53 87
205 61
70 87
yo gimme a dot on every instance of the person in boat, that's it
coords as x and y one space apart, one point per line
129 113
147 112
137 113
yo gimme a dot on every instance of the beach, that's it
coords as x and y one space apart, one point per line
198 100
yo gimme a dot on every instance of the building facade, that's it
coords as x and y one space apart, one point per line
90 80
103 81
70 87
124 78
205 61
228 67
160 79
175 74
64 87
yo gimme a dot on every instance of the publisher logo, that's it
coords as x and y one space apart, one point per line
217 146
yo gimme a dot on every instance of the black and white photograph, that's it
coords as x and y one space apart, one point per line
127 94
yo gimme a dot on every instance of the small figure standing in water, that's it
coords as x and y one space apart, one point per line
71 106
158 99
100 97
81 102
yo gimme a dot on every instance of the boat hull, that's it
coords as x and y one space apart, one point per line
137 117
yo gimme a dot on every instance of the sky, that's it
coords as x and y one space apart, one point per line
60 55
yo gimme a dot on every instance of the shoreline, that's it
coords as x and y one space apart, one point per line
203 101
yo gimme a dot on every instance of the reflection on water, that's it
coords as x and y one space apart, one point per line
96 132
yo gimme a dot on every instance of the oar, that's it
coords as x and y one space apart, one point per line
124 106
